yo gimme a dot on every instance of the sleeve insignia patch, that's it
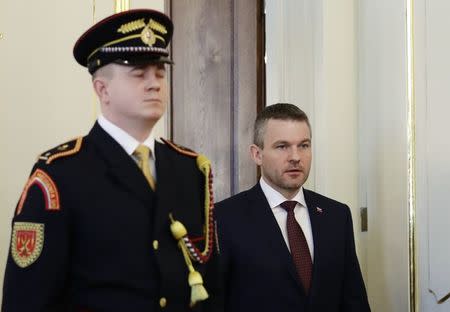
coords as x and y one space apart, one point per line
27 242
48 188
63 150
180 149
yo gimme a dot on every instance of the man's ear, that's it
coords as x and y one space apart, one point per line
256 153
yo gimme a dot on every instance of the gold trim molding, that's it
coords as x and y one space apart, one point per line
412 236
121 5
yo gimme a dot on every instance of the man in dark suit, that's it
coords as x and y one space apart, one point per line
116 221
285 248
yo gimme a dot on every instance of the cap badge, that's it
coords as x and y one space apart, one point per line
148 36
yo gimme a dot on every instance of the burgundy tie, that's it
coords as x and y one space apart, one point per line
299 247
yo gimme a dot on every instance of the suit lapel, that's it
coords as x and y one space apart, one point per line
270 232
120 166
165 186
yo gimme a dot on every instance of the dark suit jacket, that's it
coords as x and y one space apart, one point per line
98 250
258 269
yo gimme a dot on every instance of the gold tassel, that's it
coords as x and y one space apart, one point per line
198 291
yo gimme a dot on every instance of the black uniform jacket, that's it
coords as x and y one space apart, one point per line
260 274
108 247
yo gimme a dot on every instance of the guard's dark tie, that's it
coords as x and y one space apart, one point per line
299 247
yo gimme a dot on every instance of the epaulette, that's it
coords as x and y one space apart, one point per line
180 149
63 150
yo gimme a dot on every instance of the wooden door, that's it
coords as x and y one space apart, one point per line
216 85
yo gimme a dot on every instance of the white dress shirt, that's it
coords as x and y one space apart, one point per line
274 198
128 143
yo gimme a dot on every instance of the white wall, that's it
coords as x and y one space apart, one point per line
311 63
382 88
46 98
433 152
344 63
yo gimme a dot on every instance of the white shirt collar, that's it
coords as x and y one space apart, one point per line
128 143
275 198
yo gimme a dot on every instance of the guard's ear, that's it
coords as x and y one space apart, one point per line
101 80
100 85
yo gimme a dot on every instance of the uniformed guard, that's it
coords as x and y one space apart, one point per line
114 220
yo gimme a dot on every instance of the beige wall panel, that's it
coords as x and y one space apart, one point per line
46 98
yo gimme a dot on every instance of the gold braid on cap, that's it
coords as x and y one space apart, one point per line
140 23
131 26
157 26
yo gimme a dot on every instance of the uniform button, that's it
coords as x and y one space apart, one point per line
162 302
155 244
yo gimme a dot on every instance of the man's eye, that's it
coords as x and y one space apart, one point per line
305 145
281 146
137 72
161 73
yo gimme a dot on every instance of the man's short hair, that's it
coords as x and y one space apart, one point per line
280 111
106 71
